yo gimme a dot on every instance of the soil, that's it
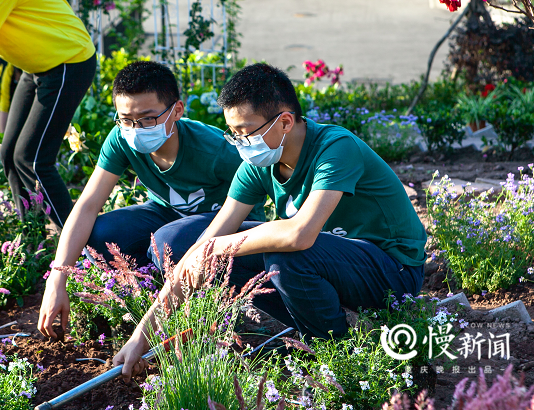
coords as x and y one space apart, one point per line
62 371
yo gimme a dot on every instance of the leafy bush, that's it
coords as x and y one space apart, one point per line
488 244
486 54
25 251
440 127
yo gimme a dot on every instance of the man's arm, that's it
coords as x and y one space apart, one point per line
297 233
73 238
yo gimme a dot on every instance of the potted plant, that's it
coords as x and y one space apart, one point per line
474 109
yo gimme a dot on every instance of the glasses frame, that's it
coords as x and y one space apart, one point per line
240 139
119 122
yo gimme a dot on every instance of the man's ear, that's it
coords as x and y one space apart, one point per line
178 110
287 120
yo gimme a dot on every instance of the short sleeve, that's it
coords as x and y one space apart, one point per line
112 156
247 186
339 167
5 88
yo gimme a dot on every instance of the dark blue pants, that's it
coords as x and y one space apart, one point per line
313 284
130 228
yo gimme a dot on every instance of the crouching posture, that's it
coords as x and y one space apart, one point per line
347 231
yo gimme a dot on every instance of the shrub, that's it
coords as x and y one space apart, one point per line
440 127
486 54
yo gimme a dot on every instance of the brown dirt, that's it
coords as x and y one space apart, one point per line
62 371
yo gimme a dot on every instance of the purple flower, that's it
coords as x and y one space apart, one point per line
101 339
271 394
25 203
459 242
110 283
5 291
40 367
146 386
25 393
47 210
109 408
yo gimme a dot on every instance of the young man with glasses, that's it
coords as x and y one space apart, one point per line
185 165
347 231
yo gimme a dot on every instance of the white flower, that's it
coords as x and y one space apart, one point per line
357 350
409 383
384 328
364 385
347 406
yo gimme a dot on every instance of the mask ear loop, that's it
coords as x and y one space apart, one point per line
170 134
281 142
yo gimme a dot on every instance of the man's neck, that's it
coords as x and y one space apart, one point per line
165 156
293 147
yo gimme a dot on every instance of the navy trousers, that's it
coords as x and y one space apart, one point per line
313 284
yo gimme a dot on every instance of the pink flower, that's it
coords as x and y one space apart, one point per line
110 6
4 291
46 275
47 210
86 263
96 2
5 246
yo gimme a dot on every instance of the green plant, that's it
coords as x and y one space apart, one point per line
475 108
201 368
440 127
16 383
119 292
488 244
514 124
25 251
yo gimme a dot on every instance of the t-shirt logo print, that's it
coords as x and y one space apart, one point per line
291 210
180 204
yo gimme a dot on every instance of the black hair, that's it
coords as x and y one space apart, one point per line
266 88
142 77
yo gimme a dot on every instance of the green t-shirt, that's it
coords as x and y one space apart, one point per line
374 206
199 179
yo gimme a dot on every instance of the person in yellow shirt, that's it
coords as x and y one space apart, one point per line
50 44
9 78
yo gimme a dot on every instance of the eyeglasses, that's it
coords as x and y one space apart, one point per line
243 139
145 122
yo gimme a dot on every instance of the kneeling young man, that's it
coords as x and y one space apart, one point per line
185 165
347 233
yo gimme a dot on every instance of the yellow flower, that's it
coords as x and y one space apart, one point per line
75 140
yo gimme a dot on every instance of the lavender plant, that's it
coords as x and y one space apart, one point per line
487 243
119 292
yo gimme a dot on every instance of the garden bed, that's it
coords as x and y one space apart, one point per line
62 372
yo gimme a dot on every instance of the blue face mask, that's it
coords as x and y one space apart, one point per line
258 153
147 140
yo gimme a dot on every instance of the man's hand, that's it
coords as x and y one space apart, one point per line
188 271
130 356
55 301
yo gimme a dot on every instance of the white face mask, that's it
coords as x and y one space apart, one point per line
259 153
149 140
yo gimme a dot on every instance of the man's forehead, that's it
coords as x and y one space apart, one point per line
241 116
145 103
